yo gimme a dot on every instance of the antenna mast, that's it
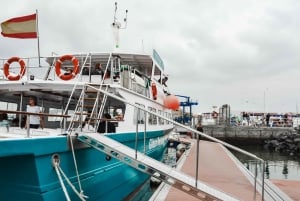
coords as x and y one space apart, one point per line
116 26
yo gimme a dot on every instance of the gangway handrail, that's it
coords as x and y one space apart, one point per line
181 125
148 165
204 135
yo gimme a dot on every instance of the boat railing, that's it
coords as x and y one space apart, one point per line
33 113
33 70
80 103
43 68
259 185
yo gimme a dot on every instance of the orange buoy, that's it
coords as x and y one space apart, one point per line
154 90
58 66
171 102
6 68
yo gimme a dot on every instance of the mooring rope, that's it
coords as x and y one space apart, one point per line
75 163
56 164
60 172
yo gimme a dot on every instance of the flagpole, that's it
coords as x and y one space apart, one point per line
38 37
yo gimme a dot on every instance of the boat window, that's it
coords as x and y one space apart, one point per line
168 116
139 114
9 106
138 84
160 120
55 111
152 118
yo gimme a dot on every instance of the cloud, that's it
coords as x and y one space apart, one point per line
216 52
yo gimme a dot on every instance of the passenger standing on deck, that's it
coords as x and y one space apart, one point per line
97 70
199 128
285 120
268 119
165 86
35 121
106 126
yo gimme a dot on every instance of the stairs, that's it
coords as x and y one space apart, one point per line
89 108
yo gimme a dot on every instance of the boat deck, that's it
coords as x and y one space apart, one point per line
216 168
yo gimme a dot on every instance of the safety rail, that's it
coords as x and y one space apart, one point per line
39 114
259 185
148 165
80 104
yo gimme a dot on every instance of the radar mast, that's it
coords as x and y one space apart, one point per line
116 26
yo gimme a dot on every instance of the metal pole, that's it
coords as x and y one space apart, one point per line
20 108
145 129
38 37
197 159
136 133
28 125
263 182
255 177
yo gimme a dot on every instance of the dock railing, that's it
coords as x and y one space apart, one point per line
229 146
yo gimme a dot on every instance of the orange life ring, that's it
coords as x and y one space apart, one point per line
58 67
154 90
6 68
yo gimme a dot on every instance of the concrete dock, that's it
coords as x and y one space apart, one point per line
290 187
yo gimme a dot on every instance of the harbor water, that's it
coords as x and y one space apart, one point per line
277 165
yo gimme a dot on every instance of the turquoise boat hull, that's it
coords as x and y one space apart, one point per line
27 172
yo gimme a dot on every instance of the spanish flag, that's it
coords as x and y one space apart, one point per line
20 27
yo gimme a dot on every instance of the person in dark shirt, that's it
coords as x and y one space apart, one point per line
110 125
96 70
199 128
268 120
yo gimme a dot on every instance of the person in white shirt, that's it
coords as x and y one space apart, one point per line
35 121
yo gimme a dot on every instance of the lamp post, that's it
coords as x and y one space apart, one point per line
264 115
265 107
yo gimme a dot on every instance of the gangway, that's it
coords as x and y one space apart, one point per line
171 176
149 166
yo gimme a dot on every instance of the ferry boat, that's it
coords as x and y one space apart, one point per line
71 107
124 100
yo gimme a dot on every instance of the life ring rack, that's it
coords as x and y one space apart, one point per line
22 68
58 64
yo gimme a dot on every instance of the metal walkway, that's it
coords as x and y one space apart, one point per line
148 165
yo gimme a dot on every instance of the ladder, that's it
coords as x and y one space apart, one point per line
149 166
90 104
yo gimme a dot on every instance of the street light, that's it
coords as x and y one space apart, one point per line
265 100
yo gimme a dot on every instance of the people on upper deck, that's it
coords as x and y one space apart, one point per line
97 70
165 86
106 126
118 114
106 76
35 121
164 80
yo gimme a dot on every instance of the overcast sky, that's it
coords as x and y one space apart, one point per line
245 53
